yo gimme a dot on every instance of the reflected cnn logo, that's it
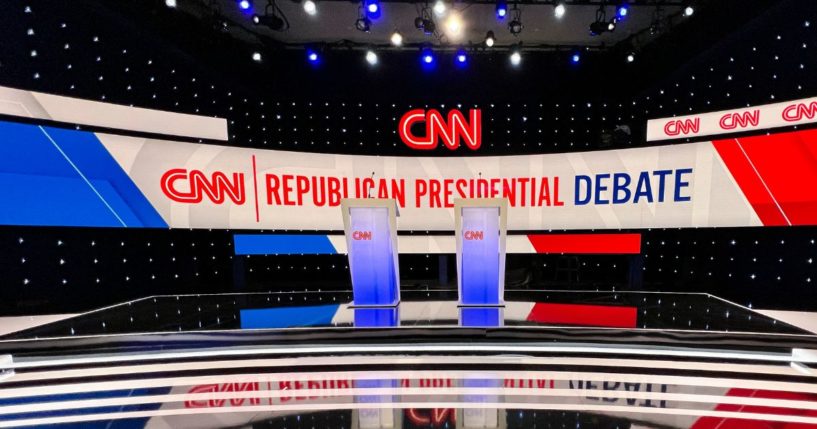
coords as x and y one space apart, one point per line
450 130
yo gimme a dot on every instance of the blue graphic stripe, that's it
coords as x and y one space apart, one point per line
288 317
74 166
280 244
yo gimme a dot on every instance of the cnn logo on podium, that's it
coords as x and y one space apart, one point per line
474 235
362 235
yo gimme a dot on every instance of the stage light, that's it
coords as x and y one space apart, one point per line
271 21
427 56
490 39
597 28
429 27
559 10
312 56
170 3
575 58
515 26
453 26
501 9
371 58
630 57
440 8
418 22
396 39
516 58
310 7
245 4
372 7
461 57
256 56
611 26
363 24
689 10
622 10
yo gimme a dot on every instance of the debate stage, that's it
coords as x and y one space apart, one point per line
311 359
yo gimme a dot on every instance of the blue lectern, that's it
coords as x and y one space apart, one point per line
371 239
480 227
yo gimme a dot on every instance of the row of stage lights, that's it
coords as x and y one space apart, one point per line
429 58
370 10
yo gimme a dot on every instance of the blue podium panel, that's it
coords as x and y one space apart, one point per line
377 317
371 256
481 317
480 256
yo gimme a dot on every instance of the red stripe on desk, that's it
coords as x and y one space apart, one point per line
584 315
586 243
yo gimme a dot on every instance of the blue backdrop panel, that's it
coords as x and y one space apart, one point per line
282 244
287 317
58 177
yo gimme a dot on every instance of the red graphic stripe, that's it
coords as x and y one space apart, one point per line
787 162
586 243
738 423
750 183
584 315
255 186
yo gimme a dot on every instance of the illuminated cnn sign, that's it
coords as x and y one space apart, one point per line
450 130
190 187
767 116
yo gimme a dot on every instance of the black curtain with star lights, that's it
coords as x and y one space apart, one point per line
735 53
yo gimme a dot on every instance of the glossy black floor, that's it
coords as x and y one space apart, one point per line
546 359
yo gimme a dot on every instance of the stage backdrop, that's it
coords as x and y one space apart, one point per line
54 176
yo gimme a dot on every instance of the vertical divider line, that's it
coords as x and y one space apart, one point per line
255 186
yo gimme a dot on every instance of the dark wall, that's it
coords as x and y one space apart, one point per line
154 57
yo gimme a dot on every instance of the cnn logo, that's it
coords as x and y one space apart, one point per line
685 126
190 187
362 235
474 235
451 131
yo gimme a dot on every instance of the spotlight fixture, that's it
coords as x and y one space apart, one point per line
371 57
418 22
575 58
461 57
515 26
271 21
501 9
372 8
170 3
559 10
363 24
689 10
396 39
622 10
310 7
440 8
429 27
490 39
256 56
630 57
312 56
245 4
600 25
516 58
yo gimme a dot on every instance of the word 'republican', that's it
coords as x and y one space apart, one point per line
320 191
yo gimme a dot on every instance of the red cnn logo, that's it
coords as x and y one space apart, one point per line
216 188
796 112
362 235
686 126
730 121
474 235
437 128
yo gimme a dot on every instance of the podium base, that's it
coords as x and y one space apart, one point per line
353 306
461 305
